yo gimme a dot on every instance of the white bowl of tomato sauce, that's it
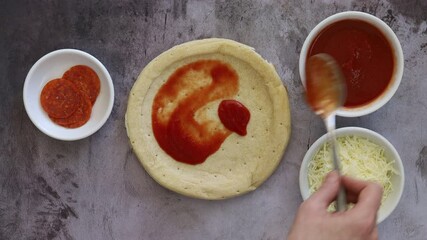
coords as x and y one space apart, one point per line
369 54
68 94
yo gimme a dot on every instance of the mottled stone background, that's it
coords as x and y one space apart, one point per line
96 189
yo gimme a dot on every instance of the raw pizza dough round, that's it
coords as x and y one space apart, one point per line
243 162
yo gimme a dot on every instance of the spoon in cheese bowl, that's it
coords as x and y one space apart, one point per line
326 93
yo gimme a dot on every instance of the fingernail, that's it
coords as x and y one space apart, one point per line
331 177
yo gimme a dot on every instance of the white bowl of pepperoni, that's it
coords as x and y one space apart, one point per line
369 54
68 94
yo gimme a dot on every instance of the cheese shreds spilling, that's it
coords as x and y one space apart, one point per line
360 158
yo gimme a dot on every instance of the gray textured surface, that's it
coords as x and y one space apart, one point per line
96 189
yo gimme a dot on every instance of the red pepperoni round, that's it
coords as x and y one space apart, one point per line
86 80
79 117
60 98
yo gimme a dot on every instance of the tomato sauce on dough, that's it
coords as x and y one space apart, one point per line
234 115
364 54
180 120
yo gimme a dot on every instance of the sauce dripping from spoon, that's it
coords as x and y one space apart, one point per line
325 84
326 93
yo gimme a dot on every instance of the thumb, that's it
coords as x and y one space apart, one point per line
328 191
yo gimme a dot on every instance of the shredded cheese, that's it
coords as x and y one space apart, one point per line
360 158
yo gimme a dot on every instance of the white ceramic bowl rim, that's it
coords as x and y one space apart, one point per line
392 203
72 133
390 36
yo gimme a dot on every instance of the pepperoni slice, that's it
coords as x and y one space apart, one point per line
60 98
86 80
79 117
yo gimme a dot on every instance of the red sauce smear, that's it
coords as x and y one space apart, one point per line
364 55
179 120
234 115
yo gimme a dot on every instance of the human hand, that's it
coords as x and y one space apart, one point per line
359 223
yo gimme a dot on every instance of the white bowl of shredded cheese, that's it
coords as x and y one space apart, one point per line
364 155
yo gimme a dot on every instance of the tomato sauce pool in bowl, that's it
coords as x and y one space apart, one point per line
368 53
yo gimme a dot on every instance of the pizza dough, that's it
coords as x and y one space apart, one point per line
243 162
